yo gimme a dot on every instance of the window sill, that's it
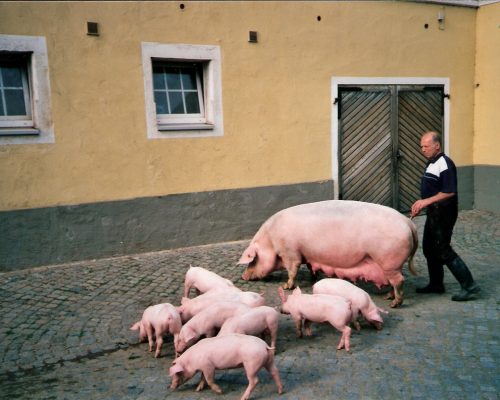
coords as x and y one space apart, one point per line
19 132
185 127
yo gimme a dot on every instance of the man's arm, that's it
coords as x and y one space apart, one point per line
422 203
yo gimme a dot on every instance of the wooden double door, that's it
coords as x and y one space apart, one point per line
379 141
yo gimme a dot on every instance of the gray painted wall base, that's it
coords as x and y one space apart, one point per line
487 188
465 177
55 235
70 233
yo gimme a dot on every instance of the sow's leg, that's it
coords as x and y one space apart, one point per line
292 266
397 286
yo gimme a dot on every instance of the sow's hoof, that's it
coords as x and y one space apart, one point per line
396 303
286 286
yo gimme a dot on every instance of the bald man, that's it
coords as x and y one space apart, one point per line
439 196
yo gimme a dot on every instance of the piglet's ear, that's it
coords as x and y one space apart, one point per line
190 334
136 326
297 291
175 369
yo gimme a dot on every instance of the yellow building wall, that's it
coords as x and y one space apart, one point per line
275 93
487 93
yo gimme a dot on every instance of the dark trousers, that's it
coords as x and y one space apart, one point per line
437 238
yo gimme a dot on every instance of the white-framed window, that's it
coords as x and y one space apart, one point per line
15 102
25 112
182 86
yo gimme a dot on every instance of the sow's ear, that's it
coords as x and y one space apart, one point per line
248 255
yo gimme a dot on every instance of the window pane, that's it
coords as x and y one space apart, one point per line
12 77
173 79
189 79
176 104
192 103
2 109
161 102
15 102
158 78
176 89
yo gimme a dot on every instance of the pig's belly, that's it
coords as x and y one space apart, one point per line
366 270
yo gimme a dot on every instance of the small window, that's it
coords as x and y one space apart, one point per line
23 78
178 92
15 103
182 90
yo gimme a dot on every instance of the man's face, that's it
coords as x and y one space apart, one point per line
430 149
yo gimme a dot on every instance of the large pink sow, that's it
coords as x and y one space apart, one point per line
346 239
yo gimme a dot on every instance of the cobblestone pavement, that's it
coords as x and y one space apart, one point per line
64 331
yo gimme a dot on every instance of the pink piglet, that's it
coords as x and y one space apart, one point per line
156 321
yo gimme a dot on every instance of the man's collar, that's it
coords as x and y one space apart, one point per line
433 160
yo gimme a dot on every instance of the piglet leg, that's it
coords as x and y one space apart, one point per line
307 327
201 384
149 332
208 375
345 340
356 324
252 382
298 327
159 343
273 370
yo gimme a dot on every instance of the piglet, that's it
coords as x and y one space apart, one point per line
361 301
255 321
224 352
190 307
318 308
207 322
204 280
158 320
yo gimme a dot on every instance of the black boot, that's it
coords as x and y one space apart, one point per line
464 277
436 276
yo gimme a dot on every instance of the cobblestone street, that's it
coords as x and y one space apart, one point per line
64 331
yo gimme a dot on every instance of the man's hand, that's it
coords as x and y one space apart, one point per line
422 203
418 206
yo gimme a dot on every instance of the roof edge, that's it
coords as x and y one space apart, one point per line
458 3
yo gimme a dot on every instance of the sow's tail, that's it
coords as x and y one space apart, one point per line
414 234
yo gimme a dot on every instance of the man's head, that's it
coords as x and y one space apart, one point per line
430 144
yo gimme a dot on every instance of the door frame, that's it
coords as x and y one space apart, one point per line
337 81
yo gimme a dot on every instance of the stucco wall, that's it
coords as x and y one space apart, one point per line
276 93
487 115
487 92
103 188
